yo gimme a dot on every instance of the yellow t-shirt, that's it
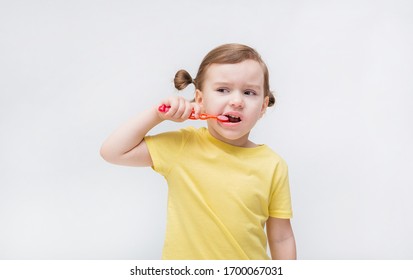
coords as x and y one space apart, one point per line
219 195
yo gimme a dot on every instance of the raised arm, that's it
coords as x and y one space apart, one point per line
126 145
281 239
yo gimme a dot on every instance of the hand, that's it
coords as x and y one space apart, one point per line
179 109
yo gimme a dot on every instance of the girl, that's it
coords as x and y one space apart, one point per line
223 189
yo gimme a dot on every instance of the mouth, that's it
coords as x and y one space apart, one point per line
233 119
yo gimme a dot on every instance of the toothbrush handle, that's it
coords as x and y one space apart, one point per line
165 108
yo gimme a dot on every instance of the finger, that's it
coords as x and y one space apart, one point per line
196 108
180 108
170 111
188 110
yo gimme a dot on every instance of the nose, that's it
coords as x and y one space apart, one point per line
237 99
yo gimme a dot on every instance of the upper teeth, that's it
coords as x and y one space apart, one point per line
232 116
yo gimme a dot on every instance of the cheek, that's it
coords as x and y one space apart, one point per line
211 105
257 112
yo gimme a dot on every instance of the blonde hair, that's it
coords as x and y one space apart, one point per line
224 54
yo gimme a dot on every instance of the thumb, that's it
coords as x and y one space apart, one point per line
196 108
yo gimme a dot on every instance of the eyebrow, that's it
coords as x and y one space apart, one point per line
249 86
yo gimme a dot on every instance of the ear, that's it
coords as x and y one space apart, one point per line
199 97
264 105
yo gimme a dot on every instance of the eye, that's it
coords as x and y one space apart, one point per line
223 90
250 92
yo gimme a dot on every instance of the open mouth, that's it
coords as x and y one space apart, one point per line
233 119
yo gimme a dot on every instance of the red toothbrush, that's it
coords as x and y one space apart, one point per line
165 108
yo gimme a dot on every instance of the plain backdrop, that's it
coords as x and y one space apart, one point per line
72 71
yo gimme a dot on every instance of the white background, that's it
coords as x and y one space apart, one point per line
72 71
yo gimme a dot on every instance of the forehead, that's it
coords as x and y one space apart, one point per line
246 72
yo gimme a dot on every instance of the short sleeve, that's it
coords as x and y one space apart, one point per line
165 149
280 197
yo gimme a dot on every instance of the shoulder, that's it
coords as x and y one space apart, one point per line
176 139
184 132
273 163
271 155
167 147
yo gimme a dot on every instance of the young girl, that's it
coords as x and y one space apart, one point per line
223 189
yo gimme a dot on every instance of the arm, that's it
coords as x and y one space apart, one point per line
126 145
281 239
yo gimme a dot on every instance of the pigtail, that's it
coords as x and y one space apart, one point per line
271 99
182 79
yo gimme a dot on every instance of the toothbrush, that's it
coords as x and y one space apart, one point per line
165 108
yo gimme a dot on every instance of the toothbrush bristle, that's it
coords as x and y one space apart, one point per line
222 118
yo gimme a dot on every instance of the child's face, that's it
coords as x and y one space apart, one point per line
237 91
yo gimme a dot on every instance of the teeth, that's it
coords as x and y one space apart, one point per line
232 118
